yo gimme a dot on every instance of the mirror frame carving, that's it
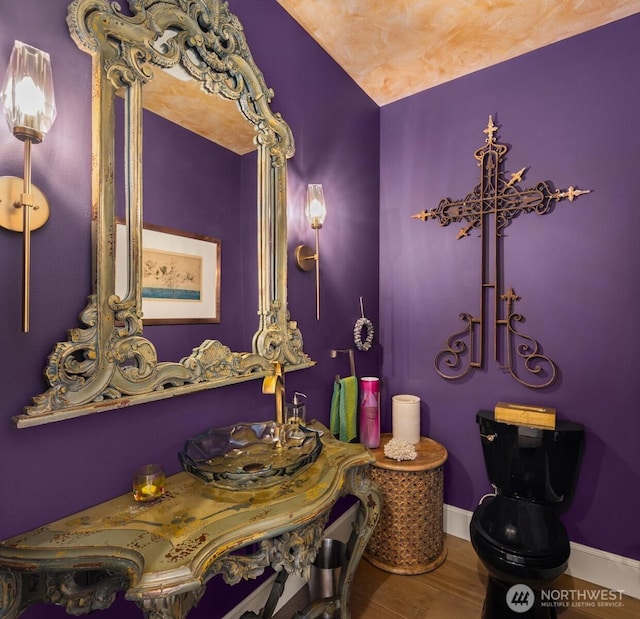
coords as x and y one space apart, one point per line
108 363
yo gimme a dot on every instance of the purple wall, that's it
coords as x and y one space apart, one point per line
51 471
569 112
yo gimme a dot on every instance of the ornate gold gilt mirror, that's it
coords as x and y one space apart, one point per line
108 363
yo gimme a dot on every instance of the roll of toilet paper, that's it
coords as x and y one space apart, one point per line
405 410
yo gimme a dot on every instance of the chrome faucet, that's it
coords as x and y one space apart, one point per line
275 384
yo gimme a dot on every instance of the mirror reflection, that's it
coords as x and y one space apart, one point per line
192 202
110 363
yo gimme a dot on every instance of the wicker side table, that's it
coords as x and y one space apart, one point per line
409 538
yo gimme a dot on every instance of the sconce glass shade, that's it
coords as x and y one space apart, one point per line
27 93
315 208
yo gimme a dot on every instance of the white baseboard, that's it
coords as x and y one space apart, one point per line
456 521
340 529
601 568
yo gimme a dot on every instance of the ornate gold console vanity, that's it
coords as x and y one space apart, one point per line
163 553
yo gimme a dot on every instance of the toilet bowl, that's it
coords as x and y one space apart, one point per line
517 532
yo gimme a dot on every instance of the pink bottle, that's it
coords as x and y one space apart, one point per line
370 411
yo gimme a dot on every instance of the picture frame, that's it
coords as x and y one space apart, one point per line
180 275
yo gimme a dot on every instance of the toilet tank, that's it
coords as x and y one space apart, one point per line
540 465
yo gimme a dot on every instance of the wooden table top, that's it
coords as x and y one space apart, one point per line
431 455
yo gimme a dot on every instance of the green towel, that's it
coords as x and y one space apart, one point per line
344 406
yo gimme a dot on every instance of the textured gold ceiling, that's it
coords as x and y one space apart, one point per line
395 48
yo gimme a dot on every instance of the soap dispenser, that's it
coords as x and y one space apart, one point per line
297 410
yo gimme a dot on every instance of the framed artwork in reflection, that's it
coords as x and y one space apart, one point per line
180 275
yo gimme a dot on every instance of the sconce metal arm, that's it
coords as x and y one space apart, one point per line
306 259
15 194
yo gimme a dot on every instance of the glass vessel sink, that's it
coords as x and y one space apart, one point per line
250 455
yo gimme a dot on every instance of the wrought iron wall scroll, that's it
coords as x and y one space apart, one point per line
504 200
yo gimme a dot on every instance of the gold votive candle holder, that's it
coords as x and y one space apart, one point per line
148 483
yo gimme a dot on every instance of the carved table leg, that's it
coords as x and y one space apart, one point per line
10 594
82 592
171 606
79 592
359 485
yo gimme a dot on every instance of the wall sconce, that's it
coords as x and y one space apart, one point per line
29 105
306 258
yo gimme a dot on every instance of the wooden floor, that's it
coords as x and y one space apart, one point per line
454 591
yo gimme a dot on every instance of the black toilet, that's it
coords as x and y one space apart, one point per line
517 533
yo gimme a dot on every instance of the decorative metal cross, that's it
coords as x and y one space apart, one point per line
505 201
